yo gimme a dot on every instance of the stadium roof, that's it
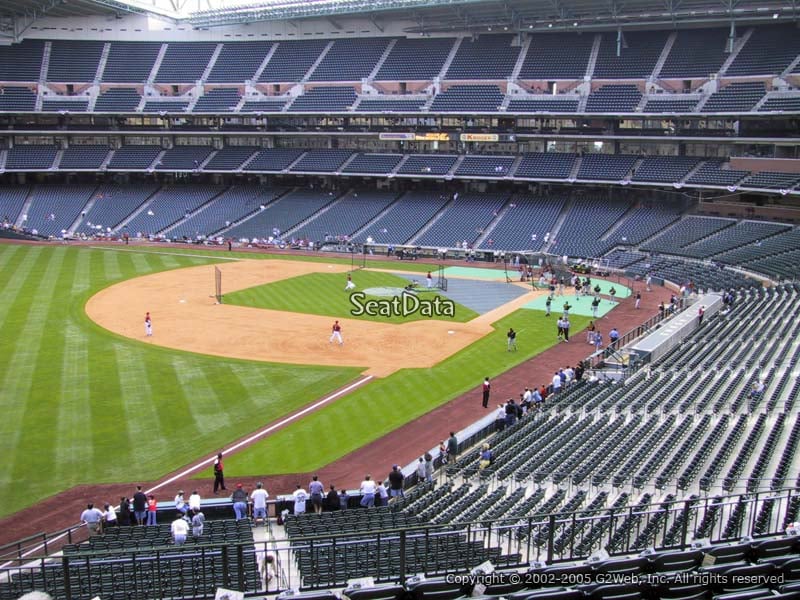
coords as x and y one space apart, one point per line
429 15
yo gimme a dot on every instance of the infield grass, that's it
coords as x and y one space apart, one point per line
324 294
83 405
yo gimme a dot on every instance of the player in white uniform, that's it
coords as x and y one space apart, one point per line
350 285
336 333
148 325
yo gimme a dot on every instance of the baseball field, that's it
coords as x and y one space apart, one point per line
87 398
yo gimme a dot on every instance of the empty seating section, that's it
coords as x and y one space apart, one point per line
644 221
415 59
390 104
404 218
614 98
292 60
273 159
554 104
219 100
134 158
605 167
769 50
165 106
666 169
30 158
184 158
238 62
487 57
130 62
485 166
468 98
772 180
21 62
13 98
168 205
351 59
464 219
637 58
325 99
685 232
74 61
427 164
735 97
781 103
587 220
346 216
118 100
678 270
55 207
230 158
229 207
273 104
56 105
524 223
545 165
776 256
12 199
741 234
373 163
557 56
286 212
712 173
112 203
322 161
696 53
83 157
669 103
185 62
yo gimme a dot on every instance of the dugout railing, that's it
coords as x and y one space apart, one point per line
393 555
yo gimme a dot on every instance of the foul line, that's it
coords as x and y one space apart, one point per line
184 254
205 462
199 465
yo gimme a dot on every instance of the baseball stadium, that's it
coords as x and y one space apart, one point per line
492 298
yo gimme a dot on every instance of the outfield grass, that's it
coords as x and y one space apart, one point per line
324 294
83 405
384 405
321 257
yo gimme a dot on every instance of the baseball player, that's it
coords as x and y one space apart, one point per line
336 333
350 285
148 325
429 280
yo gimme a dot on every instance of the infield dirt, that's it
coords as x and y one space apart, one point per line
186 317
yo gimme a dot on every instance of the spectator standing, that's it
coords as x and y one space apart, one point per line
333 500
139 505
109 516
368 490
300 498
316 490
198 522
428 467
179 529
259 499
194 501
124 511
452 447
396 479
239 498
152 510
93 518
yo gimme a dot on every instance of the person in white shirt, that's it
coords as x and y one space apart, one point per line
259 499
109 516
368 490
194 501
526 397
179 529
93 517
300 497
180 503
383 494
556 383
570 373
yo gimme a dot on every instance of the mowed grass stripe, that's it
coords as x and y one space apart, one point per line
111 266
19 401
386 404
74 412
16 275
138 409
201 403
